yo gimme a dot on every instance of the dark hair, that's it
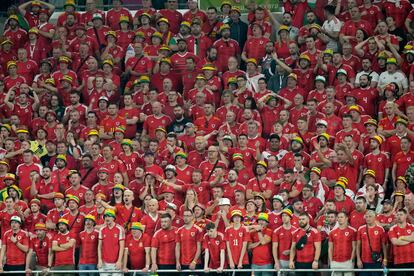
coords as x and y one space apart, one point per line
165 215
210 226
330 9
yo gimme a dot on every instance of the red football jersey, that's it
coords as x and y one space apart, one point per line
236 238
14 255
164 241
342 240
66 257
307 254
377 238
214 247
136 250
403 254
89 246
283 237
188 239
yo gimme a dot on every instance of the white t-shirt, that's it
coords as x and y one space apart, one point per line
333 25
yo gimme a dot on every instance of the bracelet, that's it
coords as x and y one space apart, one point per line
316 261
193 262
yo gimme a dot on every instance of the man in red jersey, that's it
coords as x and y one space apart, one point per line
377 161
88 244
40 245
402 159
137 249
15 245
214 249
356 218
282 240
114 14
226 48
111 245
260 244
23 172
76 188
63 248
342 245
15 33
402 239
237 237
163 245
74 218
188 243
44 189
371 238
261 183
112 121
306 246
53 215
156 120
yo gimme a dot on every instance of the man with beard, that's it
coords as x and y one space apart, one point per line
322 152
226 48
15 33
178 124
402 241
297 148
305 252
366 95
377 161
210 59
40 245
367 70
178 59
188 243
63 248
260 183
44 189
198 43
387 217
163 246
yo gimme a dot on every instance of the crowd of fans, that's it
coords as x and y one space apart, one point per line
195 140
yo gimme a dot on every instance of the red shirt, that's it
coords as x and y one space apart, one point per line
377 238
152 122
260 186
214 247
89 246
125 216
15 256
262 254
365 98
346 205
151 224
236 238
342 240
402 253
136 250
225 50
80 193
164 241
66 257
188 239
41 248
255 47
23 172
283 237
379 163
113 16
110 238
307 254
403 161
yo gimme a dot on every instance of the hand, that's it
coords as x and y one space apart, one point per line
13 239
274 55
359 264
192 266
240 266
291 265
125 270
99 265
145 269
206 270
277 265
231 266
118 265
220 269
315 265
286 252
178 267
28 271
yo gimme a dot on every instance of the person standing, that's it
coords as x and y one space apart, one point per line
63 248
402 239
163 245
371 238
306 247
282 240
111 245
237 237
214 247
188 243
39 246
88 245
260 244
342 245
137 249
15 246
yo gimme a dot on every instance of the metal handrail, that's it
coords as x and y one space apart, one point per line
384 270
